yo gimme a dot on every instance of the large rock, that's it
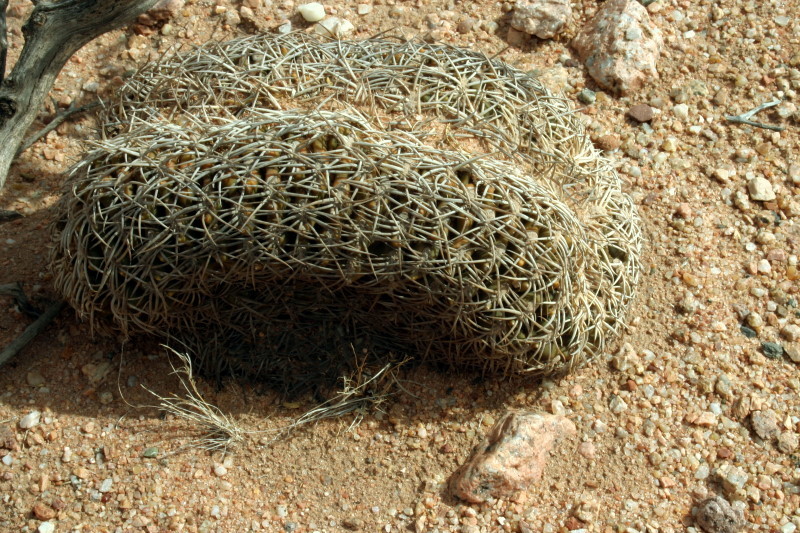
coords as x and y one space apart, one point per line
511 457
542 18
715 515
620 46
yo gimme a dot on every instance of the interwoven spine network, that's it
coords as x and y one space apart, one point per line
267 191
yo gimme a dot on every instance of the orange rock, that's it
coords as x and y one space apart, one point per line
44 512
511 457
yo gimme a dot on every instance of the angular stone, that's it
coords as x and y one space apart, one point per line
620 46
760 190
794 173
715 515
741 407
788 442
542 18
334 27
765 424
312 12
8 439
30 420
772 350
511 457
706 419
733 478
163 11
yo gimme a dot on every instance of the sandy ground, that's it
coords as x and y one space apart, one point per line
102 460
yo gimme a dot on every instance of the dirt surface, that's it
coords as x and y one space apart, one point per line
693 405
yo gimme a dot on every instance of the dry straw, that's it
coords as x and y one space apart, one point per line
273 200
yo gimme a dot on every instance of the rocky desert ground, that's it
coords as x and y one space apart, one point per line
698 399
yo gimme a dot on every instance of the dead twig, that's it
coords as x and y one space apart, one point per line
3 39
744 118
31 332
56 122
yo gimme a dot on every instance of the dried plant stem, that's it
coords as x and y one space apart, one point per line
744 118
357 392
31 332
55 122
218 431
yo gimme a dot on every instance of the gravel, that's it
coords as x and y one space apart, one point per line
692 382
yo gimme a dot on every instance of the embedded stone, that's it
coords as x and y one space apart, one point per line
511 457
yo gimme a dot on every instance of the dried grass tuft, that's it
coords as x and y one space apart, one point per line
219 432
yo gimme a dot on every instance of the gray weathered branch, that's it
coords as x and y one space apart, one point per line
31 332
53 33
3 39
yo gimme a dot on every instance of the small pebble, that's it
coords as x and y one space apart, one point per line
722 175
791 332
617 405
587 96
353 524
794 173
765 424
772 350
641 113
363 9
46 527
760 190
220 470
312 12
150 453
755 321
681 111
334 27
608 142
733 478
788 442
35 379
8 460
587 450
724 387
748 332
30 420
465 26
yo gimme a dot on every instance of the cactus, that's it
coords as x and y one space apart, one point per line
273 198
